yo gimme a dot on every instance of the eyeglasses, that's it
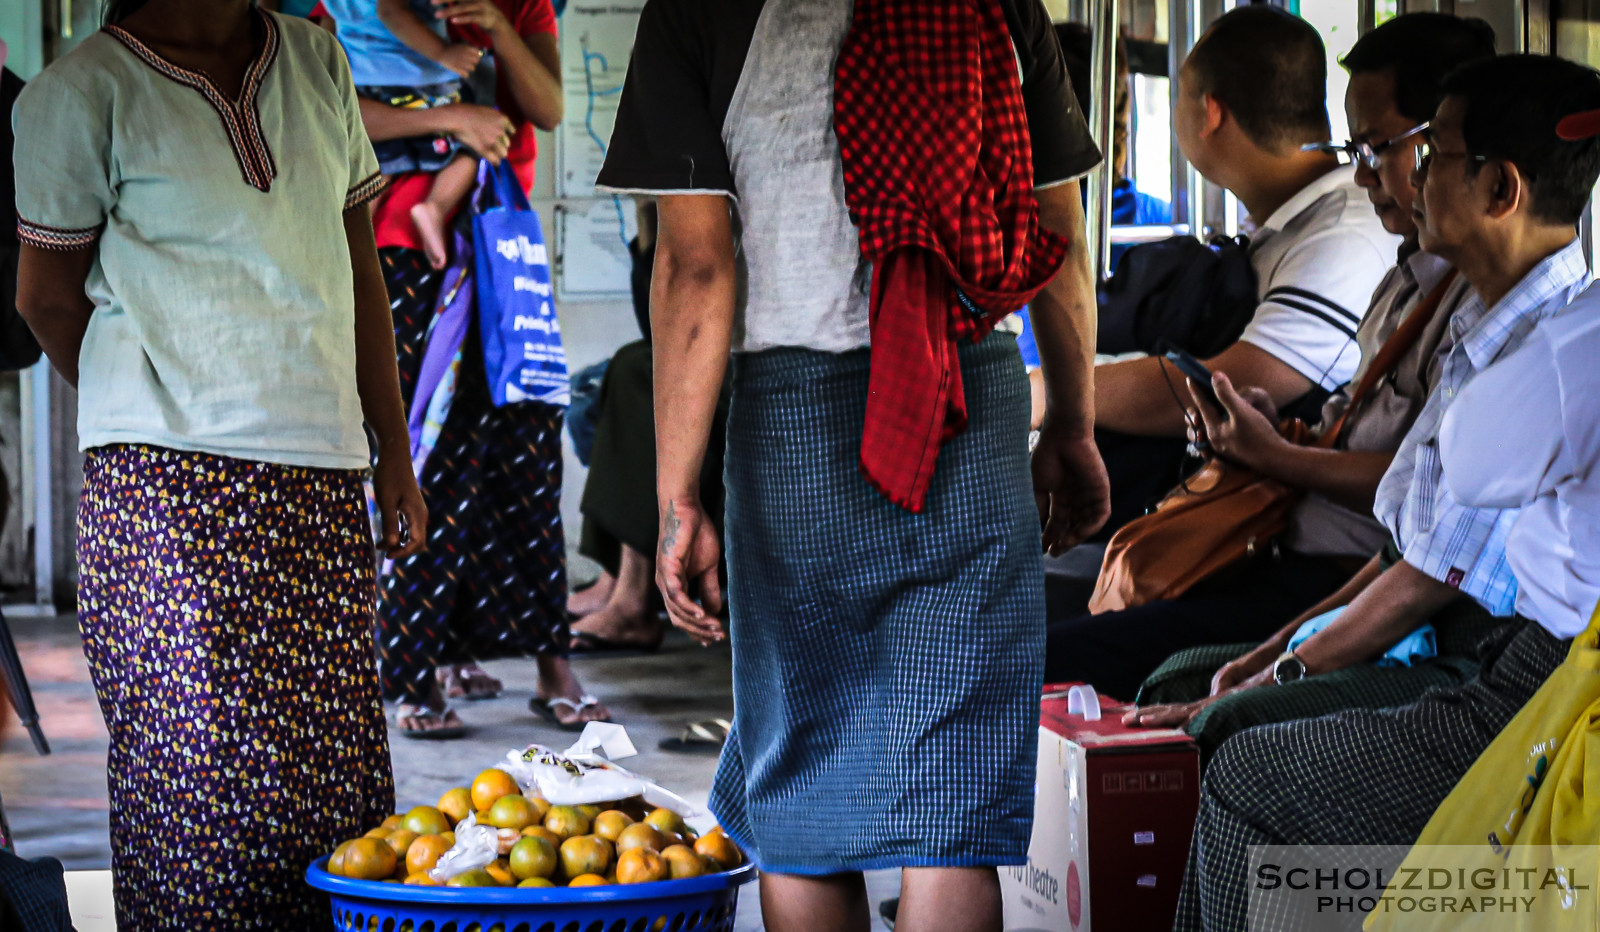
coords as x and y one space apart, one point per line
1366 153
1426 152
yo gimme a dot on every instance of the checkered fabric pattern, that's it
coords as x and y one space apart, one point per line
1449 541
938 177
33 895
1356 778
886 665
1186 676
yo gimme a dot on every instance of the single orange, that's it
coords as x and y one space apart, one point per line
391 823
377 833
513 812
533 856
566 822
665 820
536 882
640 865
585 854
369 859
490 786
336 860
721 849
609 824
422 880
401 840
542 804
683 863
588 880
426 820
425 853
539 831
456 804
642 835
477 878
501 872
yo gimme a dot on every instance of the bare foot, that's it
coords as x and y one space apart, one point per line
622 623
592 599
556 679
430 222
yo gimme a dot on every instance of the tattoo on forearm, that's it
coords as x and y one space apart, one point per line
669 538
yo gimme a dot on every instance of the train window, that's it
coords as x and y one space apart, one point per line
1339 23
1151 136
1577 38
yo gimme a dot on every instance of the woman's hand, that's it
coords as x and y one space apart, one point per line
688 554
1245 431
481 13
484 130
404 516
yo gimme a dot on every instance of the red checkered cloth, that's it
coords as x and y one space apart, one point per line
938 176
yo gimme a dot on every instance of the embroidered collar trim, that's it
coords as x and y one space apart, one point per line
241 119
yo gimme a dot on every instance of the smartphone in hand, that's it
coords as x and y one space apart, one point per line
1196 373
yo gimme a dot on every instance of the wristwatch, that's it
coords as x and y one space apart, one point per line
1288 668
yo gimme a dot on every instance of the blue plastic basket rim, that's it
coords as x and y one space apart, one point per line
317 876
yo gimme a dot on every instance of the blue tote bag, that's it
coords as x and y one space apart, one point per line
522 352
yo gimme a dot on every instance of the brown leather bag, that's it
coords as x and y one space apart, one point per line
1225 512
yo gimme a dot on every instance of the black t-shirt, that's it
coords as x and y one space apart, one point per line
687 61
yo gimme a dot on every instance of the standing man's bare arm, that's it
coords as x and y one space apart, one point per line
692 302
1069 479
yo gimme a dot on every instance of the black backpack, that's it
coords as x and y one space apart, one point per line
1192 295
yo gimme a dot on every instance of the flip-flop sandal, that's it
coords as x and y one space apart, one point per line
439 733
585 643
546 709
706 737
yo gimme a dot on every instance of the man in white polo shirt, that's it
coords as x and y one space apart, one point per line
1251 94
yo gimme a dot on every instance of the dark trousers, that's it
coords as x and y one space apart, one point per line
619 498
1116 651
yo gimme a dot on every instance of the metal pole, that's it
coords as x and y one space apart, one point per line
43 504
1102 122
1195 16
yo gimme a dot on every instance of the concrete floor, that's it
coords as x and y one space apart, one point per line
57 805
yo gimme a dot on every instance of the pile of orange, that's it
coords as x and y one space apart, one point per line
540 845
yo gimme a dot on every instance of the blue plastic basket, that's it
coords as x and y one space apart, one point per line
699 904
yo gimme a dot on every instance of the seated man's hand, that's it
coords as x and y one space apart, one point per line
1238 671
1179 714
1246 431
1172 715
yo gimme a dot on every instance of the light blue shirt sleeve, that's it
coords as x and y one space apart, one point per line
1025 342
1465 547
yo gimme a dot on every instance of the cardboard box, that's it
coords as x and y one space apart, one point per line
1114 812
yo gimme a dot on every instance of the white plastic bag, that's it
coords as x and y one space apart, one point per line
476 847
584 774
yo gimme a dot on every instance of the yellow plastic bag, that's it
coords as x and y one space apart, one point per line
1530 803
